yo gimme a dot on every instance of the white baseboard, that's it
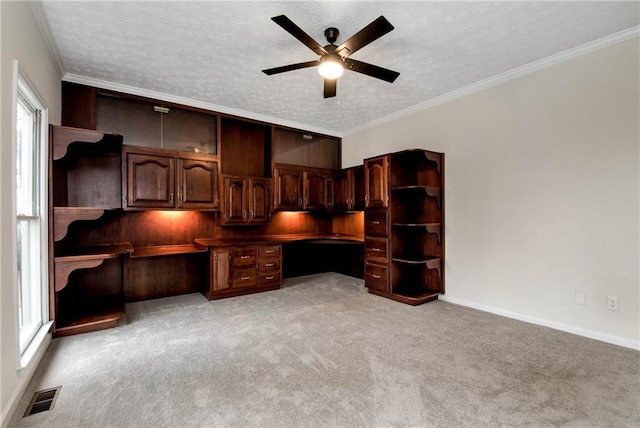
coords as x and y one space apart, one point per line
25 378
615 340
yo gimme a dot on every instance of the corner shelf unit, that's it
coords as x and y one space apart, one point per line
417 225
85 281
404 226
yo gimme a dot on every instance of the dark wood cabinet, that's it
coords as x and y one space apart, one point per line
316 189
245 200
376 177
348 189
289 188
165 179
404 248
243 269
299 188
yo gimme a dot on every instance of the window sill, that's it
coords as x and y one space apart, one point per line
34 346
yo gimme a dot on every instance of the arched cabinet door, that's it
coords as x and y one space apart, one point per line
289 189
376 178
197 184
150 181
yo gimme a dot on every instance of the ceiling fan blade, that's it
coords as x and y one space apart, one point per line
368 34
371 70
330 86
290 67
299 34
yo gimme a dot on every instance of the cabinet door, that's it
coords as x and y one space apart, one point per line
357 188
341 191
288 189
259 200
150 181
197 184
376 182
315 190
234 202
220 269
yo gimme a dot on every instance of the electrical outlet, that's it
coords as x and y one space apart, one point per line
581 297
613 304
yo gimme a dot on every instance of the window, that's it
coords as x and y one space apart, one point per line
31 238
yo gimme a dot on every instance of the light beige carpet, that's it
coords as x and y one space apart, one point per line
323 352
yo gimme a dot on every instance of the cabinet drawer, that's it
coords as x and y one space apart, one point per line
245 256
269 278
375 223
269 251
376 277
376 250
269 264
244 277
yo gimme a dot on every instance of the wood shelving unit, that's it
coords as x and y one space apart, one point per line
405 262
85 281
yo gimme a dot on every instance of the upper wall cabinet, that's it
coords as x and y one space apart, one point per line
348 189
162 179
141 121
306 149
147 124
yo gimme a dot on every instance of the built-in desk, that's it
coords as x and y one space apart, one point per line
249 265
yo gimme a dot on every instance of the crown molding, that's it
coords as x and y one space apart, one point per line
162 96
41 21
514 73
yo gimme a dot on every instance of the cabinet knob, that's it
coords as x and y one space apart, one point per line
300 201
251 213
181 199
171 197
244 213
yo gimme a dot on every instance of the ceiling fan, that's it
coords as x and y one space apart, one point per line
334 59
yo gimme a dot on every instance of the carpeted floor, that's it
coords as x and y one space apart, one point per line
323 352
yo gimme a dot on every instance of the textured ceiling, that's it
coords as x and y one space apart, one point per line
215 51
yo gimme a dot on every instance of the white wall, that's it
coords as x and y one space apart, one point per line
21 40
542 191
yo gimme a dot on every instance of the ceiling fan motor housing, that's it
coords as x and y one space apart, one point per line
331 34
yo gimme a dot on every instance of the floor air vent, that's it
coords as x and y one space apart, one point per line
42 401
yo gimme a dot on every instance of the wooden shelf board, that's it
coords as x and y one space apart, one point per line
415 261
432 189
167 250
414 297
96 315
96 252
426 225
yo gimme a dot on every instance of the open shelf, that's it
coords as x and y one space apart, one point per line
84 258
63 137
93 314
412 296
64 216
167 250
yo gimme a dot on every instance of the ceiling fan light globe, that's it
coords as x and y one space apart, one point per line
330 70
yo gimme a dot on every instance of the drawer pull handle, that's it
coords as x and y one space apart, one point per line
269 251
244 257
376 276
244 278
376 249
269 264
375 222
269 278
